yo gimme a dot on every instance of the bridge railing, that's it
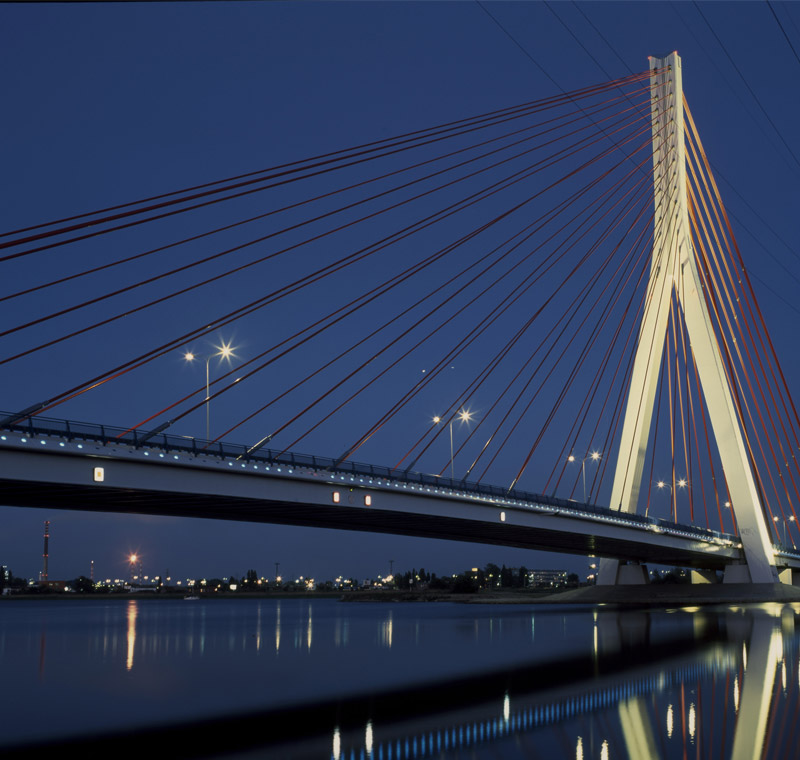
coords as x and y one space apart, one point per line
165 442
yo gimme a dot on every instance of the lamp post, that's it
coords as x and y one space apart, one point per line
135 559
681 484
777 519
464 416
594 456
225 351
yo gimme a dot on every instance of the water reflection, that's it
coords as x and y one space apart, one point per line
368 738
132 612
277 627
386 631
633 714
412 681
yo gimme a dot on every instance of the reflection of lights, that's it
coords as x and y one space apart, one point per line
131 633
506 708
308 630
386 632
368 737
692 721
278 629
337 744
783 675
736 694
744 656
579 749
604 750
337 633
670 721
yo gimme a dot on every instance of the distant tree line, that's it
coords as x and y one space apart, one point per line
470 581
489 577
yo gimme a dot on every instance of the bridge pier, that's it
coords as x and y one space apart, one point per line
789 577
704 576
623 574
737 574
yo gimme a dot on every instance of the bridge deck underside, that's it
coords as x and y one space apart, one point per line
169 503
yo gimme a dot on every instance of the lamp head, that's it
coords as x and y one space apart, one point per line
225 350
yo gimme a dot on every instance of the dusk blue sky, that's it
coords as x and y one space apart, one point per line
108 103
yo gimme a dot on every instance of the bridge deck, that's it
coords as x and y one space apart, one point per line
51 463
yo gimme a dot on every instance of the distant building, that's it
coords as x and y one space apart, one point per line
547 578
54 585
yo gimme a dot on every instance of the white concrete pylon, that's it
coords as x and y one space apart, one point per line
674 273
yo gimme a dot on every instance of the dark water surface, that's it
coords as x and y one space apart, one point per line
324 679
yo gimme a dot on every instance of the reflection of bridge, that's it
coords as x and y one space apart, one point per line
696 335
720 701
729 698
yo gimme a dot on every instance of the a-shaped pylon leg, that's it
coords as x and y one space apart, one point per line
673 270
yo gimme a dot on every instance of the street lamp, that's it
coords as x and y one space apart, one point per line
594 456
225 352
776 519
464 416
681 484
133 559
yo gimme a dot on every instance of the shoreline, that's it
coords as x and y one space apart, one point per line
655 595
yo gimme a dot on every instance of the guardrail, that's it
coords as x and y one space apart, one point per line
106 434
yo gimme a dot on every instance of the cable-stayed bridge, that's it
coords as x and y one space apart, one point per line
550 294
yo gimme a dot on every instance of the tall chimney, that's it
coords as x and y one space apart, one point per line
45 555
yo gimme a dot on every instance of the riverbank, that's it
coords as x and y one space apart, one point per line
178 595
651 595
646 595
659 595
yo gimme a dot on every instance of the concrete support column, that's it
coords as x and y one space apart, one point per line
704 576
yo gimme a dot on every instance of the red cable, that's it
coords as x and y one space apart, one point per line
496 187
156 206
583 92
575 196
304 202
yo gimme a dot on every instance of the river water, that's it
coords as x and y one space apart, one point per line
299 678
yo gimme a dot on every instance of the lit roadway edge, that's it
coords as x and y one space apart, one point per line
75 472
